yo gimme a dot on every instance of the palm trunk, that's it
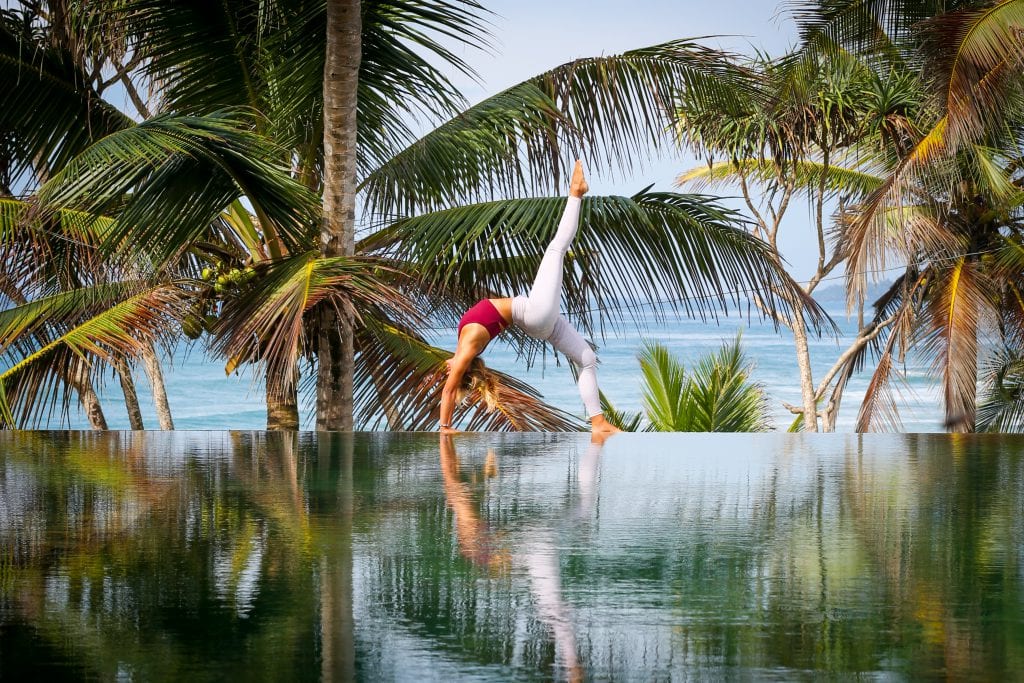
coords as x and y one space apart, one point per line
283 406
81 383
131 397
156 381
334 396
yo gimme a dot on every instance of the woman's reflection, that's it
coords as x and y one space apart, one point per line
537 554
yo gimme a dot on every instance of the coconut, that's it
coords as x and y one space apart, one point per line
191 326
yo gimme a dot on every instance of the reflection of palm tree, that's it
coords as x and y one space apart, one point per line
124 539
923 521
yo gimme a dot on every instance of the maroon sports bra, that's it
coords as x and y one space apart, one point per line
484 313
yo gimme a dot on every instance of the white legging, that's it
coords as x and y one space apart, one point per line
537 313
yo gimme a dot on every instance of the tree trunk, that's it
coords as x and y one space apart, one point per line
334 395
283 407
156 380
131 397
79 380
90 401
803 361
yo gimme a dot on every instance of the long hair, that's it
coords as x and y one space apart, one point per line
478 379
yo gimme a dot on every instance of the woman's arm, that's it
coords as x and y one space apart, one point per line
456 370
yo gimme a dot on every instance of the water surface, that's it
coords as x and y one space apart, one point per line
254 556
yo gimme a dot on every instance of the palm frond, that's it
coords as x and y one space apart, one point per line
406 51
901 302
49 107
961 296
170 177
806 175
46 341
1001 408
978 53
878 411
664 390
205 55
883 28
634 253
399 378
612 111
866 236
268 320
58 309
46 253
721 397
993 176
625 420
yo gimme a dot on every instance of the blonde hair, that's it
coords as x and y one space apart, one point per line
481 381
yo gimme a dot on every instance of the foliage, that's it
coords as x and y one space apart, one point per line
715 396
928 176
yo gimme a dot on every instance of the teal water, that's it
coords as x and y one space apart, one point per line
255 556
202 397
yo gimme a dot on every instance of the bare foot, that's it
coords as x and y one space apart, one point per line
601 429
578 185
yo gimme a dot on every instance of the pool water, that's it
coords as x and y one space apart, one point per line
374 556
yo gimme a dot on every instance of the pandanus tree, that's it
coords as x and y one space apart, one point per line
228 173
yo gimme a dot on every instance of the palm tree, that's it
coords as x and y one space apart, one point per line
449 216
58 120
948 203
716 396
336 355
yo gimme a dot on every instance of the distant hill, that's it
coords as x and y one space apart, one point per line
834 295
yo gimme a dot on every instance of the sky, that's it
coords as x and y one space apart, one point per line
531 37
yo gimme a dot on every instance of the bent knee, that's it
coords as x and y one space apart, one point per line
588 359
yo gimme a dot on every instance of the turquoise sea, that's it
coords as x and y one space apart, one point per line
202 397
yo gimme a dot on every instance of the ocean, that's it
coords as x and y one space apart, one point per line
203 398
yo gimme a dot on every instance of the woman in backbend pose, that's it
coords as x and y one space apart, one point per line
537 315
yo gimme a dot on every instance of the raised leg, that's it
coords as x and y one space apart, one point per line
536 313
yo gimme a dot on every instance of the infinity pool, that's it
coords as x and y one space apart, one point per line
256 556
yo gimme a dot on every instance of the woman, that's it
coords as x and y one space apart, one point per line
537 315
